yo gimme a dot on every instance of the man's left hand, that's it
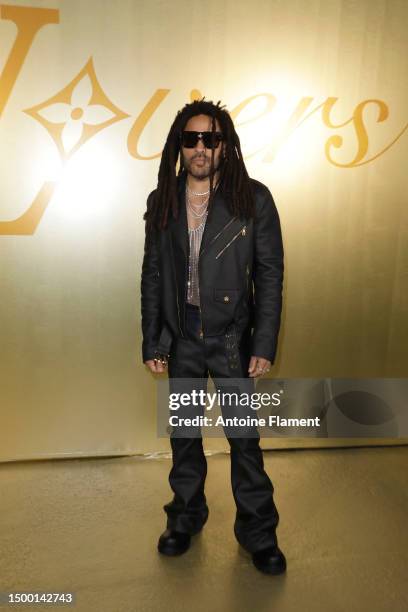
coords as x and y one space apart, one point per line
258 366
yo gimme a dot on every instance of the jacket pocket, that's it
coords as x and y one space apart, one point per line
241 232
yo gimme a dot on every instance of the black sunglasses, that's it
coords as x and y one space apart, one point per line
210 140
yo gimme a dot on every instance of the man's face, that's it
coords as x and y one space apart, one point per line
197 161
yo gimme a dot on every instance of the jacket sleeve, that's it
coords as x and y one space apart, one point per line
267 277
150 293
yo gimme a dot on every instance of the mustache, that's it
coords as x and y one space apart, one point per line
200 156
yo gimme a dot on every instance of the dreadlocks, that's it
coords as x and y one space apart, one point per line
234 179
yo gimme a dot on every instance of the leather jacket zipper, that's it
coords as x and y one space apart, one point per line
242 231
217 235
176 288
199 297
201 320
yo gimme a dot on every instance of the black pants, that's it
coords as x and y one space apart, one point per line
221 357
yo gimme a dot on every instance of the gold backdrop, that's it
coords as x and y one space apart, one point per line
88 90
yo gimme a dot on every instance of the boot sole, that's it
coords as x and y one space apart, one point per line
274 571
172 552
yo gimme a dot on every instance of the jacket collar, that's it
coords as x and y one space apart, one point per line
218 217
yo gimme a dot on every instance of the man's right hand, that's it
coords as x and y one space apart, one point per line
156 366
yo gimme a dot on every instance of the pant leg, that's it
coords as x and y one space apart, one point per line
188 510
256 517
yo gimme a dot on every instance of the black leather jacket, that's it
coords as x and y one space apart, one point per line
240 276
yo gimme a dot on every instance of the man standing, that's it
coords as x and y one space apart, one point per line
211 297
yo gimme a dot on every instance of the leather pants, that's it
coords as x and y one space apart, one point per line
256 519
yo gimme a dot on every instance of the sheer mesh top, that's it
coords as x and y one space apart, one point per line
195 236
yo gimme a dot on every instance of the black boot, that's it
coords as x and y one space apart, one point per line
270 560
173 543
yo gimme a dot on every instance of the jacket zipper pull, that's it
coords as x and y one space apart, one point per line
241 232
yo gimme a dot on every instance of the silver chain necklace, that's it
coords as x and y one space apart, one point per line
195 213
196 230
197 193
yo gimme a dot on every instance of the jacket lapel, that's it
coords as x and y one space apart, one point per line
219 218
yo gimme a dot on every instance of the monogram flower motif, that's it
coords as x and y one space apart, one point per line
77 112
